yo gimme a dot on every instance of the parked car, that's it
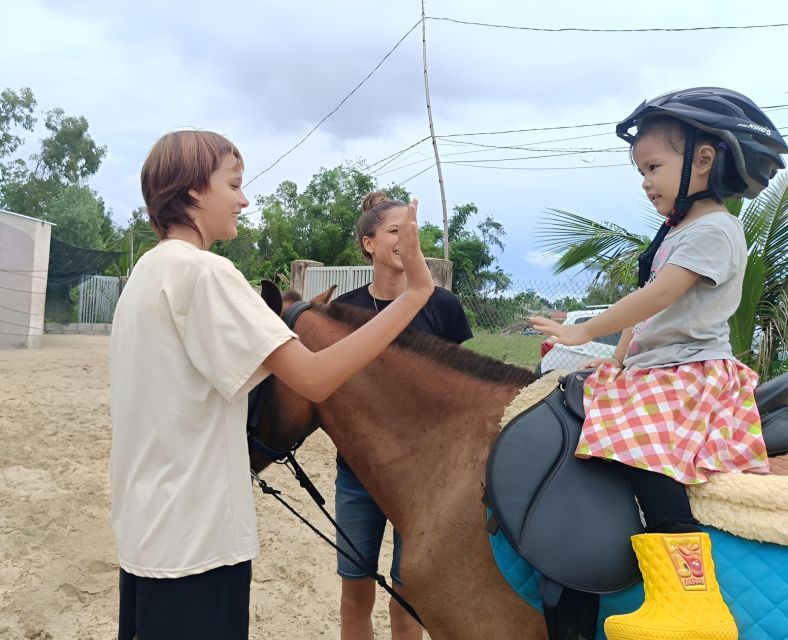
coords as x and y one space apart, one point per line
560 356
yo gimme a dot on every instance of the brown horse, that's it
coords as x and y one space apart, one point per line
416 427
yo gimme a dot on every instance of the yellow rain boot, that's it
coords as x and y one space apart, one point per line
683 599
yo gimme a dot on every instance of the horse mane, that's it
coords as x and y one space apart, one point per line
437 350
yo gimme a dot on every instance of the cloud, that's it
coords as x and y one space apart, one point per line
264 73
541 258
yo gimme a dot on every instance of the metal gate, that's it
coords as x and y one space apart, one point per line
98 296
318 279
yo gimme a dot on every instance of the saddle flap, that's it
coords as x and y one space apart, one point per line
517 474
571 519
775 431
772 394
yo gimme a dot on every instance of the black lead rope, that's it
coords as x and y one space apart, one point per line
312 490
288 459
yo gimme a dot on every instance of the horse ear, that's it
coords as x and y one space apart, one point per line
325 297
270 293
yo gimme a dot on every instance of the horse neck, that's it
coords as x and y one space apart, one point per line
407 423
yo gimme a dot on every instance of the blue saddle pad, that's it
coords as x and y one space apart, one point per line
753 577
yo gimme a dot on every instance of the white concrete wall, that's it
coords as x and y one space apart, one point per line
24 261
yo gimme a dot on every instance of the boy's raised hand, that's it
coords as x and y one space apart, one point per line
416 269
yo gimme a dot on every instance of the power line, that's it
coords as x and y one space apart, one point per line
556 150
401 159
464 163
25 274
536 157
27 313
16 324
546 155
393 156
42 293
345 99
569 126
415 175
526 146
493 133
424 158
585 30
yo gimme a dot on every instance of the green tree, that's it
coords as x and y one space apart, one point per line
765 222
606 290
611 251
474 268
68 154
331 204
283 230
55 177
320 224
78 216
569 304
16 111
243 250
134 240
317 224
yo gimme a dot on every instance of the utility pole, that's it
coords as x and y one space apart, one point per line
432 134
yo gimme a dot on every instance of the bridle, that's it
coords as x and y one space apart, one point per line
257 398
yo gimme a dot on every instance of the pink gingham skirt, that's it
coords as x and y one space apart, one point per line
683 421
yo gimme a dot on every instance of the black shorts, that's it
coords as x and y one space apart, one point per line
206 606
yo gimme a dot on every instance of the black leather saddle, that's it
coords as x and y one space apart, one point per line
571 518
772 400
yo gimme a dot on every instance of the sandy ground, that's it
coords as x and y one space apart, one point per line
58 568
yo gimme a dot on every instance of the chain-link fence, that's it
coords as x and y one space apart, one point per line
502 329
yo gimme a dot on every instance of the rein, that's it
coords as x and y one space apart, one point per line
288 459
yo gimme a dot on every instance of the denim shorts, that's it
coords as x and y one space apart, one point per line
364 523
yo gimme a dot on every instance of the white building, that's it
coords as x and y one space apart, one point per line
24 263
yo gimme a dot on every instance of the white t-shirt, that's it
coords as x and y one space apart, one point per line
188 338
695 327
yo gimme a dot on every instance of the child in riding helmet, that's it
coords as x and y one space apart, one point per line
675 405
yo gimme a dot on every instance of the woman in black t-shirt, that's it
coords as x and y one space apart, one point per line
356 512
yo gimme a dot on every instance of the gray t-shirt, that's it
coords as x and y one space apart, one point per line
695 327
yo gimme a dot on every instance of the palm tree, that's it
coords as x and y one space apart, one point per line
611 252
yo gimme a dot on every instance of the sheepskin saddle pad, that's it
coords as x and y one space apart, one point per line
572 519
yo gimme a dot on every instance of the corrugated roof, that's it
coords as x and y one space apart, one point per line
19 215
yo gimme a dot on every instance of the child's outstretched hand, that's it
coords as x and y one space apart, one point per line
416 270
598 362
568 334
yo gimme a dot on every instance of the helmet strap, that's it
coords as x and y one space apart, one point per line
646 259
683 203
680 210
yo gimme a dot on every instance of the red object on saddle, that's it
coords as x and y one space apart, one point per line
545 348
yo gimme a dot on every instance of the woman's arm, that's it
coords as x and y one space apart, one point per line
316 375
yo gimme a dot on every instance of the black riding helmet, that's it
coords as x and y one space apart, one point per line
752 147
753 142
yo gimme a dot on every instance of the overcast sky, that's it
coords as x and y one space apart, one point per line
264 73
